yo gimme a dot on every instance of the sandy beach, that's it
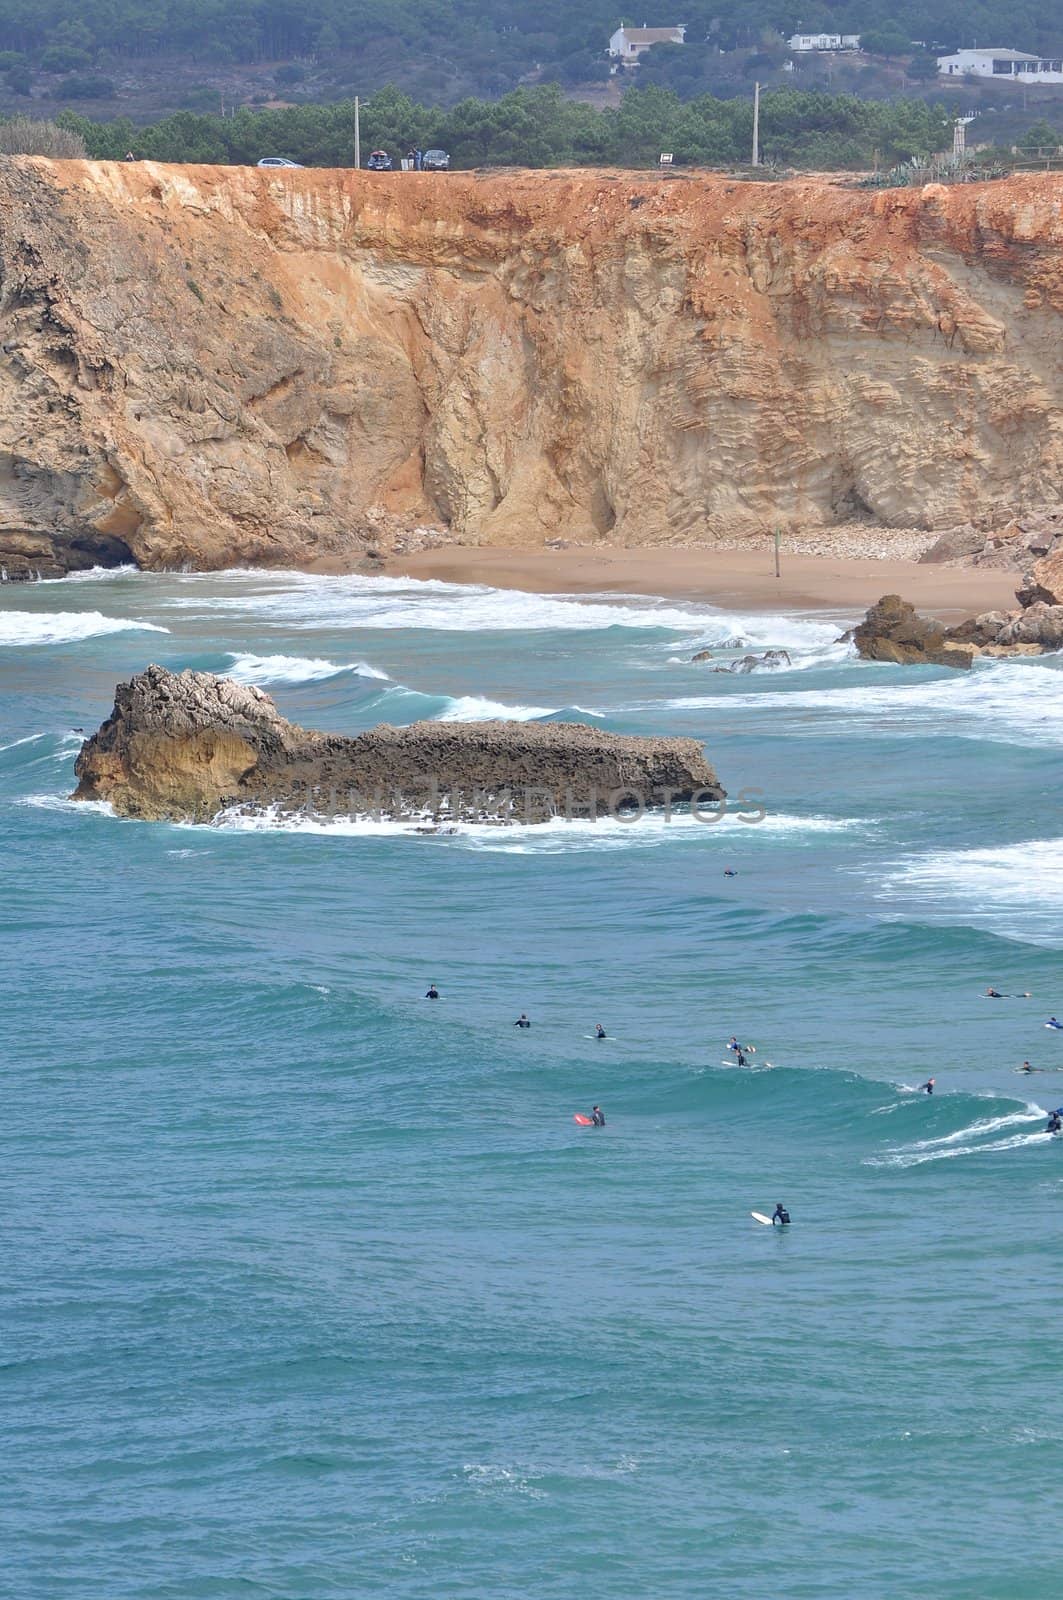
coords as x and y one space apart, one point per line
728 578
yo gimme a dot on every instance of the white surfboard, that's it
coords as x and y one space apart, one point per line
758 1216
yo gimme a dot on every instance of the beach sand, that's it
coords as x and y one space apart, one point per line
732 579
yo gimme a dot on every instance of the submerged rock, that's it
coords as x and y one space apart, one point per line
770 660
184 746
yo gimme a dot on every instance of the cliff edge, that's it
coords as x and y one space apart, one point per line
217 366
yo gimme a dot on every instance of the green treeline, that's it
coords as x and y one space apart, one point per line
540 128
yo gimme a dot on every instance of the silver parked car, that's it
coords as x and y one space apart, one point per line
279 161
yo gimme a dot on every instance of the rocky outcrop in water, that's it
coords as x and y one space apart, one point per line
224 365
894 631
187 745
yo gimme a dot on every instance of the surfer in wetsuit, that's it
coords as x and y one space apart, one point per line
522 1021
597 1116
927 1087
599 1031
1055 1121
433 992
780 1216
1026 1067
1052 1023
993 994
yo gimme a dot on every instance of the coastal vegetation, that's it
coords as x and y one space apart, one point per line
28 136
539 127
487 46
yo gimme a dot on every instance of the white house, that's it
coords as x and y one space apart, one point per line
989 63
824 41
627 44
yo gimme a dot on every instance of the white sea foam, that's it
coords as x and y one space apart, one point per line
99 574
554 837
248 668
78 808
472 708
1013 702
977 1138
1014 889
31 738
64 627
308 600
810 641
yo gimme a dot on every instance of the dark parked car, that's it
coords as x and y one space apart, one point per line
379 161
435 161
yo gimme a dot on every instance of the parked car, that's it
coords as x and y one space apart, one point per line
435 161
279 161
379 161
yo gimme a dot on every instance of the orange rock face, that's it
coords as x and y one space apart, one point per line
226 365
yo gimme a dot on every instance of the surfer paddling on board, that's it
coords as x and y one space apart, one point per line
780 1217
522 1021
1052 1023
433 992
927 1087
1055 1121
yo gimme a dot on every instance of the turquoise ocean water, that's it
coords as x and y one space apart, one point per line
313 1288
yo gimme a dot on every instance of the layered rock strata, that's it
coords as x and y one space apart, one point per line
219 366
186 745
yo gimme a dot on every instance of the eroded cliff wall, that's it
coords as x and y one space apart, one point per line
220 365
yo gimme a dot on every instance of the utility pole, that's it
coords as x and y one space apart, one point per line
756 124
357 134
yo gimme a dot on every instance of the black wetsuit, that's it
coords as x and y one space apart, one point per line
1055 1123
598 1118
522 1022
600 1033
781 1216
433 993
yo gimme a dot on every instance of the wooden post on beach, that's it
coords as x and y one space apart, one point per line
777 537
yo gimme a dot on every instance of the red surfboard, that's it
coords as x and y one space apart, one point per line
584 1122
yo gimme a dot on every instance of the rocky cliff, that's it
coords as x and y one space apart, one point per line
185 745
214 366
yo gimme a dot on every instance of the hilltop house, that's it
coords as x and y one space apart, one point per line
627 44
824 41
989 63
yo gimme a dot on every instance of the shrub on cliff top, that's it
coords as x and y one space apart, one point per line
26 136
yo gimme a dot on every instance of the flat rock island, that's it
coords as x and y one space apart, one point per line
184 746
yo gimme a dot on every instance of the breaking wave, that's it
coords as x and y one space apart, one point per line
293 669
65 627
